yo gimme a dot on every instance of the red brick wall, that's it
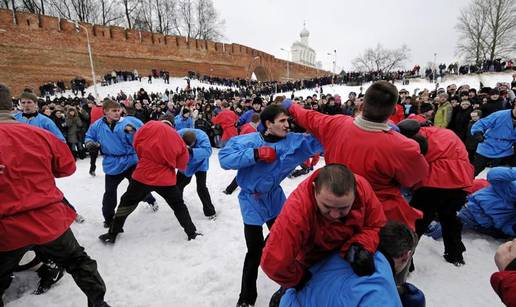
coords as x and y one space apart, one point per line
42 48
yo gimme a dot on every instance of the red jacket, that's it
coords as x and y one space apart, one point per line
386 159
301 236
227 119
247 128
399 115
96 113
504 284
31 207
448 160
160 151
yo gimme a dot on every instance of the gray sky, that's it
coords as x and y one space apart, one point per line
427 27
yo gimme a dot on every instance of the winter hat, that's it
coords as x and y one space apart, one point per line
494 91
258 100
28 95
403 91
186 111
412 296
6 101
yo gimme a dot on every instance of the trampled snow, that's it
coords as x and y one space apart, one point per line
153 265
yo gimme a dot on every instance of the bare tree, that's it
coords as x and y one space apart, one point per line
144 17
187 19
472 26
110 12
208 24
61 8
487 29
4 4
382 59
501 23
129 7
32 6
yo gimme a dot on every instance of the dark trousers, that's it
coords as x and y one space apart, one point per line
445 203
110 198
66 252
202 190
94 153
482 162
232 186
137 191
255 242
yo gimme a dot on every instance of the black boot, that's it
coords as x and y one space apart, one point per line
50 273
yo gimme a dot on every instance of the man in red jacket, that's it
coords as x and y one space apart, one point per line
443 191
333 209
504 281
369 148
227 119
160 151
32 212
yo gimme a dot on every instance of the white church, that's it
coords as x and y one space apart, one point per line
301 52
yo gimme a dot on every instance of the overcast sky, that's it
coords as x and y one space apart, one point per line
426 27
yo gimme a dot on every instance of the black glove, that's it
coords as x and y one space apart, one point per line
479 136
361 261
91 145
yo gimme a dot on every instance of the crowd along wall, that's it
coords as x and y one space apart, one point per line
37 48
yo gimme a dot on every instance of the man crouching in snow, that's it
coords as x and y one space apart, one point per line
160 151
333 209
334 283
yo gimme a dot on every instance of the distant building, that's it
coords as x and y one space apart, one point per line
301 52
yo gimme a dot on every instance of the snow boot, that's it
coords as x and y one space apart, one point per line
79 219
194 235
108 238
154 206
50 273
93 167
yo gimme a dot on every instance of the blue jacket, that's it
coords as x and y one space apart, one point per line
333 284
43 122
499 134
181 123
116 145
493 207
200 159
246 117
261 196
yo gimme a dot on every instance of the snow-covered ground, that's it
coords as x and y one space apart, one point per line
473 80
158 86
153 265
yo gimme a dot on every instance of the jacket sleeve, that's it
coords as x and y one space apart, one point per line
374 220
63 163
414 167
91 134
483 124
237 154
51 126
182 157
285 242
203 149
504 284
501 174
318 124
309 146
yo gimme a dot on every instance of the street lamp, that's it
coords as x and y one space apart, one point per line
435 67
77 28
288 62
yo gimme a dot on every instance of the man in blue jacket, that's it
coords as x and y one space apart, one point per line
496 134
183 120
31 116
114 135
334 284
263 160
199 147
256 108
492 210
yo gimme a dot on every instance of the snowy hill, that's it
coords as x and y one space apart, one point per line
158 86
153 265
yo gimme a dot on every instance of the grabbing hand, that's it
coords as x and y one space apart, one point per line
2 168
91 145
129 129
265 154
361 261
479 136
